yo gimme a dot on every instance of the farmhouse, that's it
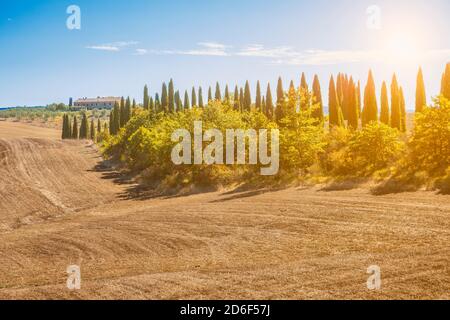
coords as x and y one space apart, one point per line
96 103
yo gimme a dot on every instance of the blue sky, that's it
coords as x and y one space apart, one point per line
123 45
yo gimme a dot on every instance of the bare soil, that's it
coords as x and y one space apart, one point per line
60 204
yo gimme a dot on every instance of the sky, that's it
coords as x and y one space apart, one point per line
123 45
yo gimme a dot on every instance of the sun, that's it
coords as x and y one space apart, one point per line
403 47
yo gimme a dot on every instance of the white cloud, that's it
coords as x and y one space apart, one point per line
114 46
103 48
140 52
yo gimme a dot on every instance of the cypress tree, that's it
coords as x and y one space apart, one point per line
99 126
384 116
421 97
75 128
158 104
247 97
171 96
336 116
64 127
402 110
112 121
146 98
263 105
445 84
194 98
269 103
236 99
84 127
164 99
69 128
370 111
340 89
304 90
317 94
279 112
396 121
358 95
292 99
241 100
352 105
227 94
116 119
92 133
151 105
258 102
200 98
209 95
218 94
177 100
122 116
187 104
127 111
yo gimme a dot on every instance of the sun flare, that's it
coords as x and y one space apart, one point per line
403 47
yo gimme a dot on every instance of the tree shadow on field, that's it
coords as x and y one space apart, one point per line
343 185
248 191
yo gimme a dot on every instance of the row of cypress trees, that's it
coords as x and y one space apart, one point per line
346 106
71 130
121 114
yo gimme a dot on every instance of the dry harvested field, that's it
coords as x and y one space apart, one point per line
60 206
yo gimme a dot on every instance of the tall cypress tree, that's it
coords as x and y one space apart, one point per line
396 121
292 99
304 90
317 96
209 95
187 103
445 84
263 105
421 97
340 89
116 119
164 99
336 116
112 121
370 111
236 102
258 102
218 94
146 98
64 128
151 105
99 126
171 96
241 100
194 98
247 97
384 115
402 110
75 128
269 103
158 104
127 112
83 127
92 127
352 105
358 95
227 94
279 112
200 98
177 100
